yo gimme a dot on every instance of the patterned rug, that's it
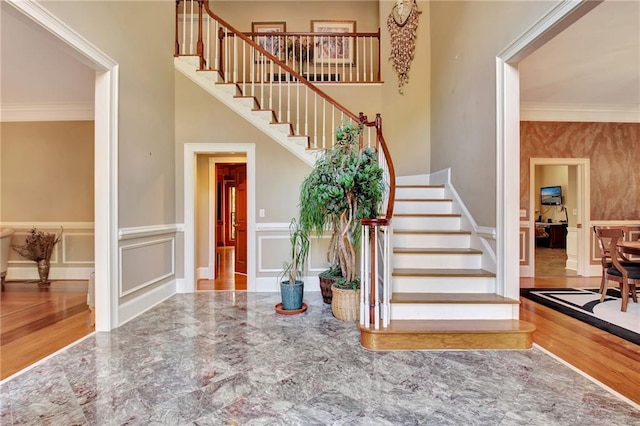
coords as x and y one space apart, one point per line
584 304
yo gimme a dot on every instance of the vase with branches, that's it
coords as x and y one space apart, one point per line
38 246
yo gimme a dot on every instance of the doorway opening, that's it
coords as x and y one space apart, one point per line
559 244
221 210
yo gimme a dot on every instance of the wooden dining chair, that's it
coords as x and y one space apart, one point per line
605 255
627 274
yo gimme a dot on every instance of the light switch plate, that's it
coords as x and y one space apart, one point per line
523 213
261 213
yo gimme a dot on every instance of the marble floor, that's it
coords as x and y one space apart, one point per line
226 358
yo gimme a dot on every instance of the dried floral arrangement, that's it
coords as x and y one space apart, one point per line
403 41
38 245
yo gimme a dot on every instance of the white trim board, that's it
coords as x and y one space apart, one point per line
555 21
187 285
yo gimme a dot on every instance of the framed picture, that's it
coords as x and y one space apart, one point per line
272 44
334 49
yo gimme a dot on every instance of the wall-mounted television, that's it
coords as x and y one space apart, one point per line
551 195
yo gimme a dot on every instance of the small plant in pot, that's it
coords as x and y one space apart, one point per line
345 186
291 284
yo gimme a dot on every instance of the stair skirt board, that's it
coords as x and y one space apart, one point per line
450 334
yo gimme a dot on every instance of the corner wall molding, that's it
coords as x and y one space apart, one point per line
532 111
147 231
71 111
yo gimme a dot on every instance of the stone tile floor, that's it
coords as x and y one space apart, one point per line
222 358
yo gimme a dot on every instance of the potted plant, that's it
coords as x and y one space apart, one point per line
345 186
292 289
38 246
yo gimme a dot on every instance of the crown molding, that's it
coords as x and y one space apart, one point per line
70 111
531 111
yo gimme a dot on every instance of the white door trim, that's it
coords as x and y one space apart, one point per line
508 136
105 159
190 152
584 203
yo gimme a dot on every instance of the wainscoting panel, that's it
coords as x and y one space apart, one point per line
72 257
145 263
274 248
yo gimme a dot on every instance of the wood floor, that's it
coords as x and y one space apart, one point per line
37 323
227 279
607 358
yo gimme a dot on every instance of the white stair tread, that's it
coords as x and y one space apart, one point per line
421 272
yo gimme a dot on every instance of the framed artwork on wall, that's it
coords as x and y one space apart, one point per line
334 48
271 43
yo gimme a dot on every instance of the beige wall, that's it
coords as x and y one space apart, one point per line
551 176
466 37
46 172
298 15
407 117
139 36
614 154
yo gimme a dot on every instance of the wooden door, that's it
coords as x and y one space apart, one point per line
240 177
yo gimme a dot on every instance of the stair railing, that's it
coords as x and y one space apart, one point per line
376 242
326 57
256 72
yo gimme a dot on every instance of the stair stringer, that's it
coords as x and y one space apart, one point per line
208 80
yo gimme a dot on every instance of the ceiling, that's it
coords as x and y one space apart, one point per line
595 62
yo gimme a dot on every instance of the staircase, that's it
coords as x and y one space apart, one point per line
441 297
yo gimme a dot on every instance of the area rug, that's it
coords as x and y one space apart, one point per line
584 304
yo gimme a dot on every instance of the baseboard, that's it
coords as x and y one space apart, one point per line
525 271
180 286
204 273
272 284
24 274
139 305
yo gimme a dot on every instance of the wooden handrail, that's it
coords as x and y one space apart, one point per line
283 65
381 144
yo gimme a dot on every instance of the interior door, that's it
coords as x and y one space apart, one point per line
240 177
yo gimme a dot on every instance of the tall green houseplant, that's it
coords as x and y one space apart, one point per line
345 185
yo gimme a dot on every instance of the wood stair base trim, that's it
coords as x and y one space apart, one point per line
449 334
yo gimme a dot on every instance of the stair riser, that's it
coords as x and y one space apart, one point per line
413 192
264 115
443 285
452 261
451 311
246 102
431 240
422 207
424 223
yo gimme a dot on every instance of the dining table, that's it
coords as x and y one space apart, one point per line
630 247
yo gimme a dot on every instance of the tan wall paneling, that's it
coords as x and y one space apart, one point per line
46 172
273 250
77 248
613 151
524 245
145 263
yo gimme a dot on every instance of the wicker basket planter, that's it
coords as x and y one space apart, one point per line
345 304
